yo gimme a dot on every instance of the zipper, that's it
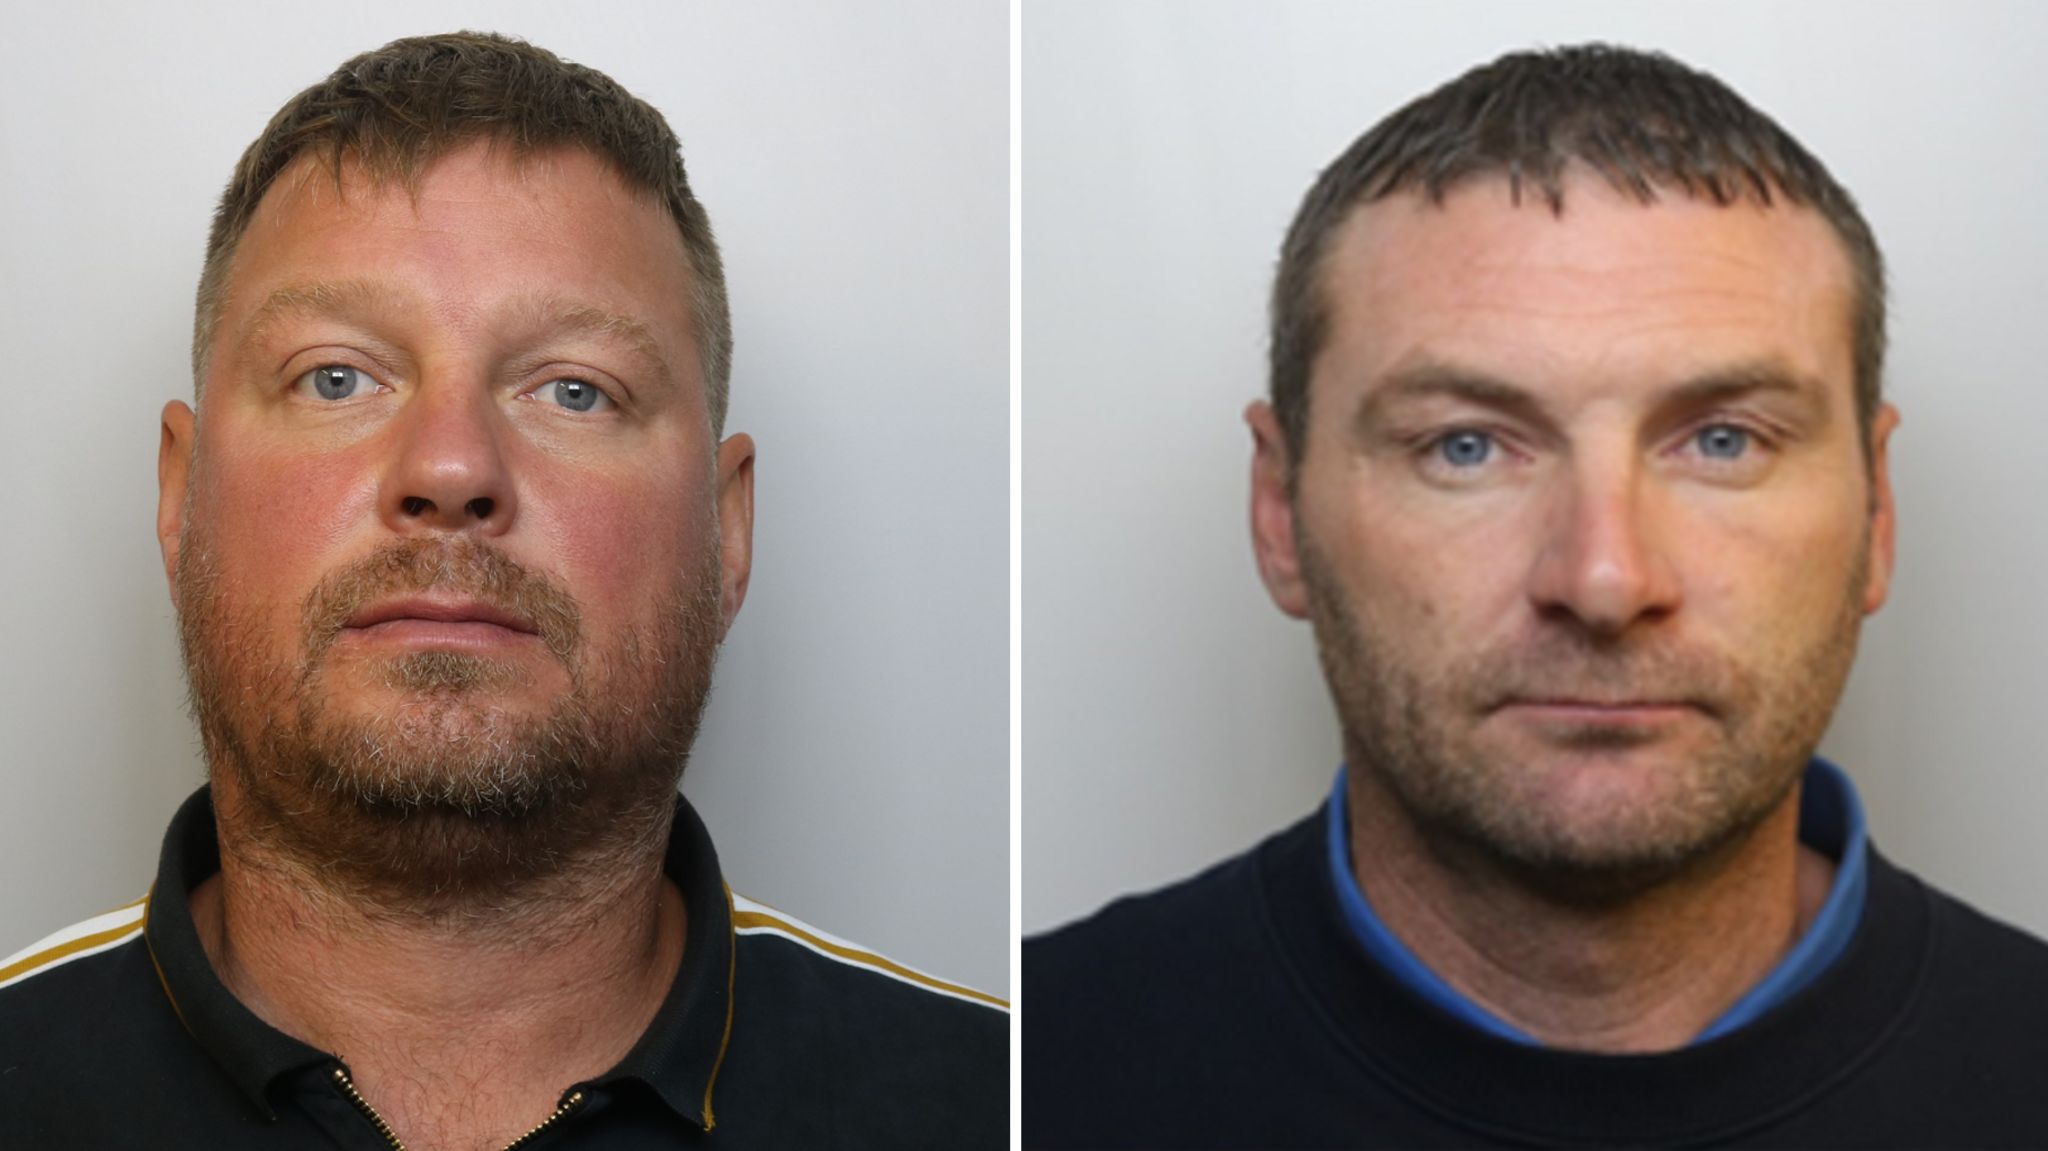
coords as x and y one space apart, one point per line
348 1088
569 1104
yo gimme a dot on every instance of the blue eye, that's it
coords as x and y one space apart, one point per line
576 395
1722 441
334 381
1465 449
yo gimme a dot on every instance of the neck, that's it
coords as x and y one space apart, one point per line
1644 973
450 1019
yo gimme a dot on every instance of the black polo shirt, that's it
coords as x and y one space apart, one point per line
118 1034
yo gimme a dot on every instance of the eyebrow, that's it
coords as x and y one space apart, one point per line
343 298
1435 379
558 315
355 299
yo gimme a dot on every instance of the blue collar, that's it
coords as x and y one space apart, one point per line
1830 821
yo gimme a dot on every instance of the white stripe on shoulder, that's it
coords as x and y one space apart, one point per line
751 918
77 941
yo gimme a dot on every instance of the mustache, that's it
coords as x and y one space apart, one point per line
1567 665
474 569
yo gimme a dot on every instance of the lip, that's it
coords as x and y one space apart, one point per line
1602 711
456 612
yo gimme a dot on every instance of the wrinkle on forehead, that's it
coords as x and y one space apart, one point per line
619 297
358 298
1608 284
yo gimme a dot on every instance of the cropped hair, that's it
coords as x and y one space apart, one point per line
394 111
1644 122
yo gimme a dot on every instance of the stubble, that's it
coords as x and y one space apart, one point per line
450 803
1416 723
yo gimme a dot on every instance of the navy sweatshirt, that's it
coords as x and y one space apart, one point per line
1236 1010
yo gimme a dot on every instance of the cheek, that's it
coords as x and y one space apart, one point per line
276 524
615 536
620 548
1436 563
1785 574
1420 591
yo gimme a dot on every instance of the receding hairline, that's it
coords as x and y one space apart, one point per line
1582 182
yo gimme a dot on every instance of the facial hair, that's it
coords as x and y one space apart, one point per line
451 803
1417 730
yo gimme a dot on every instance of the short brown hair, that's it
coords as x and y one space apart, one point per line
1642 120
396 110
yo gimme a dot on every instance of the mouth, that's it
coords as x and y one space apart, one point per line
457 622
1600 712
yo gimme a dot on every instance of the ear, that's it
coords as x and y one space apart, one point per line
1273 512
1883 513
173 474
735 521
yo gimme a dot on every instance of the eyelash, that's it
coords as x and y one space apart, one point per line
306 381
1759 438
1428 446
605 400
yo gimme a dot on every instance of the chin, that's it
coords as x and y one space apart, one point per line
436 672
1593 823
1611 832
450 802
448 755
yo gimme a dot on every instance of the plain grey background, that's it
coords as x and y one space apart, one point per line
1172 716
855 162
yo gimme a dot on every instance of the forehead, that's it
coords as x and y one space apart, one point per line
478 231
1612 292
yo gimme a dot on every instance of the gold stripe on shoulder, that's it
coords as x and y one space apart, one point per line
761 919
732 966
69 947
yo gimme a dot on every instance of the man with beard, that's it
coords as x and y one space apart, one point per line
453 538
1576 460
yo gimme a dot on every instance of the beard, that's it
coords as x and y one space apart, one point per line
450 801
1524 809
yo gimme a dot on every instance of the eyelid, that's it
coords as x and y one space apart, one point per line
1424 451
335 356
359 350
1433 439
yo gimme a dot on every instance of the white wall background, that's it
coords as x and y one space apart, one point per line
1172 716
854 160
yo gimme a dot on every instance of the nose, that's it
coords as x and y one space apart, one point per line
1605 561
448 470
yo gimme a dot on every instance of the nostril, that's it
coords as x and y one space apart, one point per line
480 507
416 505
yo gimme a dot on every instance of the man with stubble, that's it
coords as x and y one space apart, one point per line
454 532
1576 461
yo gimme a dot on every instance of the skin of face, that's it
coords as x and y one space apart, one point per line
1584 521
384 418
